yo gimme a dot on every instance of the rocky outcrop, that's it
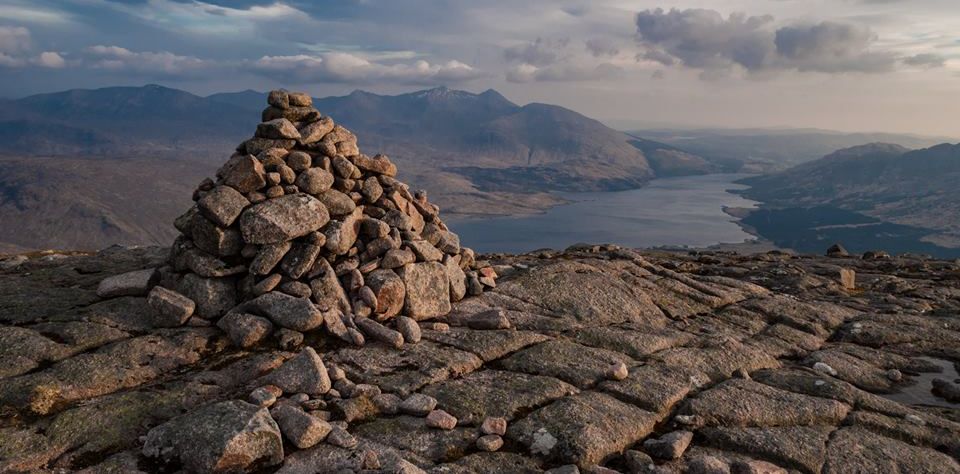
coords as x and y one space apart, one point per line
764 363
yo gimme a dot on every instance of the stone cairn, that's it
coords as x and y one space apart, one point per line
302 231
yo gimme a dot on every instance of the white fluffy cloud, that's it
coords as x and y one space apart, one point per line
350 68
147 62
50 59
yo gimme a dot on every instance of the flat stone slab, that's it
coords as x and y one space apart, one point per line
83 380
488 345
858 450
634 341
797 447
408 434
496 393
405 370
656 387
719 361
492 463
568 361
741 402
599 299
582 429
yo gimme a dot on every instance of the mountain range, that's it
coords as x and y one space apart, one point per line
85 165
87 168
772 150
916 188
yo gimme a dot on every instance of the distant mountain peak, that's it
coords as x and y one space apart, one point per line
869 149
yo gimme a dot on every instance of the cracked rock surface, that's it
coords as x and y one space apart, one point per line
734 350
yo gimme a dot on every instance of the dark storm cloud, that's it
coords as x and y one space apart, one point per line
705 39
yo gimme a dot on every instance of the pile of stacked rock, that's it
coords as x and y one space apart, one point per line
301 231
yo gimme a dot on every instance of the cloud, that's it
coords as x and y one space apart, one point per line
704 39
160 63
557 60
831 47
562 72
50 59
15 46
926 60
602 47
14 39
350 68
539 52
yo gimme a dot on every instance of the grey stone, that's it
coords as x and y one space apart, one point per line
490 319
427 290
304 373
243 173
280 128
337 203
397 258
389 290
287 311
279 98
296 288
707 464
418 404
222 205
424 251
245 330
299 161
233 436
380 332
458 279
669 446
314 181
135 283
299 259
409 328
342 234
327 292
172 309
268 257
215 240
315 131
281 219
213 296
342 438
301 428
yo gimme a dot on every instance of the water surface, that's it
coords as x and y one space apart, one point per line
684 211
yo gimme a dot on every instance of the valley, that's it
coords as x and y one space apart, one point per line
91 168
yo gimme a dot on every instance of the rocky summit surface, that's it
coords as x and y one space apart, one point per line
596 359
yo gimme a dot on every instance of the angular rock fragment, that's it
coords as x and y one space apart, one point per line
427 287
418 404
302 429
304 373
222 205
245 330
287 311
233 436
282 219
134 283
441 419
172 309
669 446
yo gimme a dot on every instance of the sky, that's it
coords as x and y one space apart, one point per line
849 65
